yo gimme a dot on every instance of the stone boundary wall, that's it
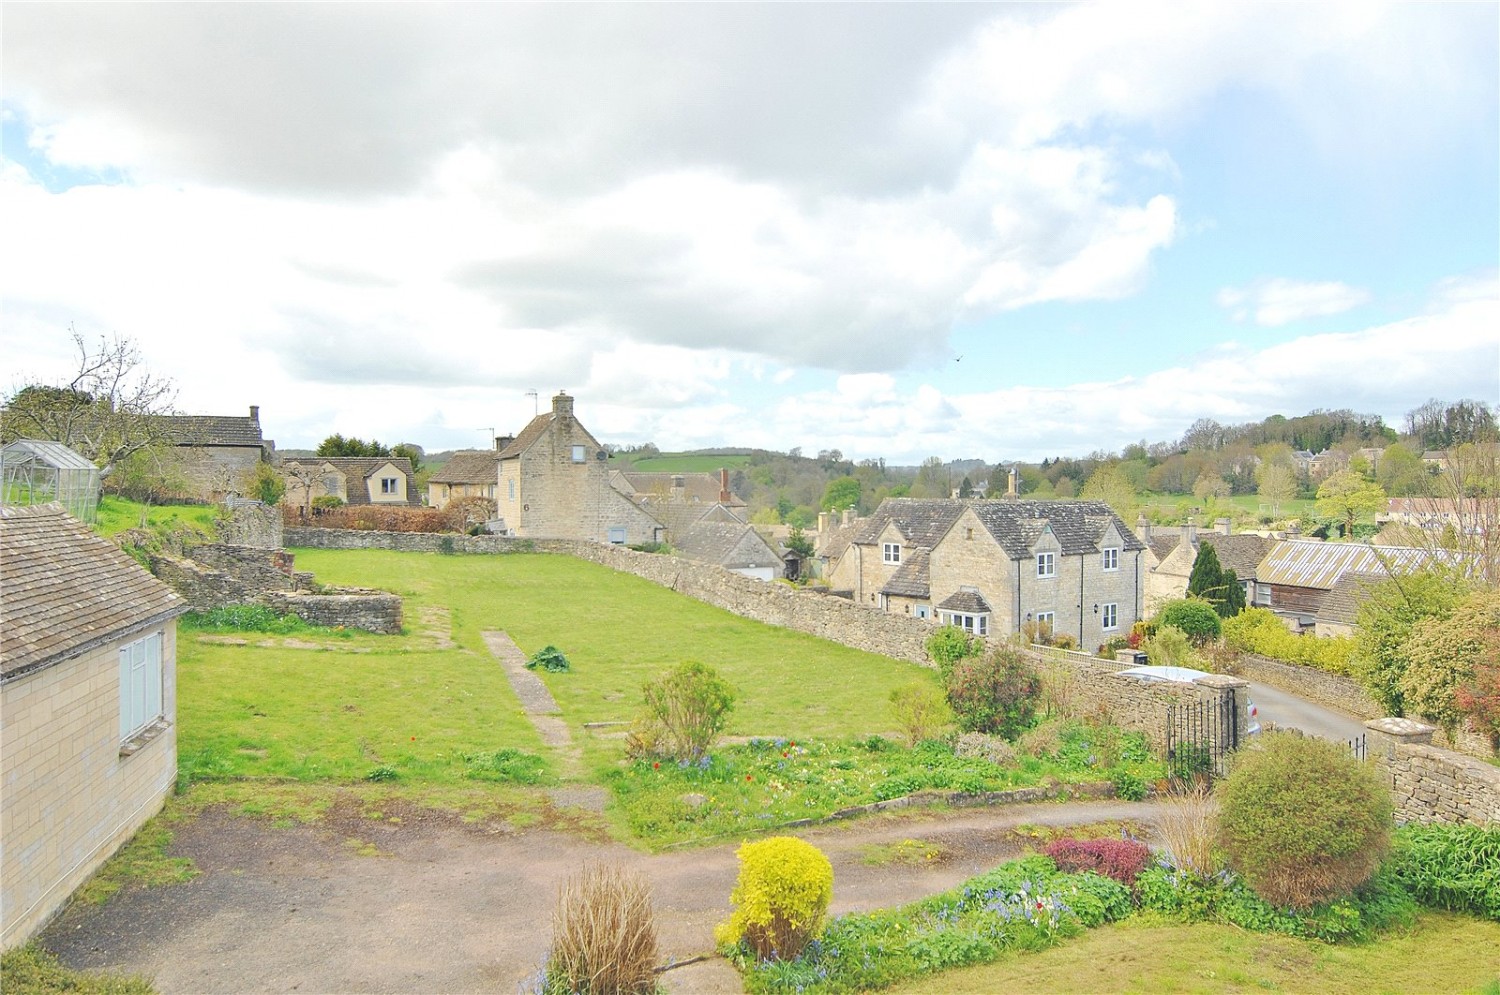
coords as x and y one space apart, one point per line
1344 694
1431 784
835 619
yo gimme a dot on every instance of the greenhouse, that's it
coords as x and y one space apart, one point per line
38 472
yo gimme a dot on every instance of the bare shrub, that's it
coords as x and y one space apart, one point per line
1040 741
920 710
603 934
992 748
1189 825
1059 687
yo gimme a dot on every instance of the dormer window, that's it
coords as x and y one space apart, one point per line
890 552
1111 558
1046 564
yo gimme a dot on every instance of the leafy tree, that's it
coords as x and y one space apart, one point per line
1112 485
1346 496
932 479
1402 473
966 487
996 693
337 445
1436 425
1386 621
109 410
262 483
1210 485
690 706
797 542
948 645
1302 820
1442 655
411 451
841 493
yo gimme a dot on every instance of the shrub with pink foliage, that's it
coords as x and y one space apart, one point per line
1122 860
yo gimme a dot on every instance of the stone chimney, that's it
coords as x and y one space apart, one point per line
848 517
824 520
724 495
562 406
679 490
1294 531
1223 526
503 442
1190 532
1013 483
255 413
1143 528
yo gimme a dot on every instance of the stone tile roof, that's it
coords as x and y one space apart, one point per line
911 579
65 590
1351 590
360 469
214 430
1240 553
969 602
729 545
469 466
921 522
1161 546
704 488
1078 525
533 431
679 516
837 539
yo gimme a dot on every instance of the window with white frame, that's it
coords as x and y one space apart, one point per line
1046 564
891 552
388 485
140 684
977 625
1045 622
578 454
1111 616
510 487
1111 558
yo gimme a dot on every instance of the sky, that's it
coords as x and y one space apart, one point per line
899 231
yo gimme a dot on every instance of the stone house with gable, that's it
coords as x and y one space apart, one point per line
734 546
355 480
1171 554
553 483
88 694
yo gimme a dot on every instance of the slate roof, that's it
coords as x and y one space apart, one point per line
1240 553
970 602
911 579
1351 590
703 488
717 542
1078 525
469 466
214 430
65 590
921 522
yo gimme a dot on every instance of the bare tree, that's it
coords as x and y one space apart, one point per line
108 411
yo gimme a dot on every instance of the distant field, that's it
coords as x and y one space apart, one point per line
1251 504
688 463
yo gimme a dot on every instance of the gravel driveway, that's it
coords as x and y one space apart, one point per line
449 907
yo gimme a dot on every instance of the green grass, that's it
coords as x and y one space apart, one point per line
143 861
688 463
1251 504
116 514
31 970
1442 952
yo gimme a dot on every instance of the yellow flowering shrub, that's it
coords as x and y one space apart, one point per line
780 899
1258 630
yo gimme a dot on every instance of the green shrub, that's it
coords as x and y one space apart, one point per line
1302 820
920 710
326 501
1450 867
1170 647
780 899
550 659
996 693
1386 620
1259 631
1443 655
947 646
1193 616
603 935
244 618
690 706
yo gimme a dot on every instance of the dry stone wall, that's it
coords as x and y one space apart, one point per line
349 607
1428 783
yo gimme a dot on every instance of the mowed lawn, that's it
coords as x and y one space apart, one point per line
339 712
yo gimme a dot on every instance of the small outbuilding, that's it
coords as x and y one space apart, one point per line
36 471
88 695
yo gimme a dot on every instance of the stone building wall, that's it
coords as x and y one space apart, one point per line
71 799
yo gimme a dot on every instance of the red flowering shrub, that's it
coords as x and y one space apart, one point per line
1122 860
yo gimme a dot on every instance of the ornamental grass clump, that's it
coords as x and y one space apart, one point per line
1302 820
1189 826
603 935
780 899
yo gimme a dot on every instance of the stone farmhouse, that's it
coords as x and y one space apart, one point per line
468 473
384 480
1171 554
88 692
996 566
218 451
553 483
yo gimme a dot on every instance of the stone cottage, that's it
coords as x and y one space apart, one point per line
354 480
88 695
218 452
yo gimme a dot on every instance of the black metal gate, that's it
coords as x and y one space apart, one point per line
1200 738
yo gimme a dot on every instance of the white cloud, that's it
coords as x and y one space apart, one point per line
1277 302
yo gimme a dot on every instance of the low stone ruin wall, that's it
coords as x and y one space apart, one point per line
349 607
250 523
1428 783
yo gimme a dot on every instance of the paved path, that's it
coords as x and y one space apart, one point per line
1287 710
543 711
